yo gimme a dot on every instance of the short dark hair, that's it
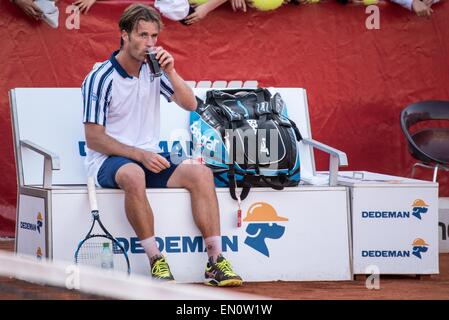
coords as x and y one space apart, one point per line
136 12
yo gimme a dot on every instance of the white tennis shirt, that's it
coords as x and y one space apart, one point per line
128 107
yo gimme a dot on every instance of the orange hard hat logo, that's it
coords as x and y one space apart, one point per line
418 242
419 203
262 211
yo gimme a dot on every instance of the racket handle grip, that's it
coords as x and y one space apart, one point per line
92 194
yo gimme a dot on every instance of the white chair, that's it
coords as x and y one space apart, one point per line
219 84
250 84
235 84
204 84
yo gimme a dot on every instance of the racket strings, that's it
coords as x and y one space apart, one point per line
93 253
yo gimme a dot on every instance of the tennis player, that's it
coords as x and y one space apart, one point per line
122 120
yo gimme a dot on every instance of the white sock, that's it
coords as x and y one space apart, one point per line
150 247
213 247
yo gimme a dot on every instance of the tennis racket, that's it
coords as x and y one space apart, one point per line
100 250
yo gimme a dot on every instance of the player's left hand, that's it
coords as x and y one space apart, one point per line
166 60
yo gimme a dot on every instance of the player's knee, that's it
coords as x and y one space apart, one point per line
202 177
131 178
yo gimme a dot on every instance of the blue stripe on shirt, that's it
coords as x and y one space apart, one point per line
88 89
107 101
102 81
166 87
88 97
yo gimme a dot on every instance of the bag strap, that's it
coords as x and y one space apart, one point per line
231 173
273 185
284 179
295 128
246 185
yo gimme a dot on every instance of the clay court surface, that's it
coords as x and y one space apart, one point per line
435 287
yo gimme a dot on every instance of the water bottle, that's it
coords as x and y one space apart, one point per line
107 261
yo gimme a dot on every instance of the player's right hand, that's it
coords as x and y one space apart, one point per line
154 162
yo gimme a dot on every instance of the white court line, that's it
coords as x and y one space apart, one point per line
117 285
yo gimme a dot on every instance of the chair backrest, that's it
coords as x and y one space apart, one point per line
418 112
423 111
52 119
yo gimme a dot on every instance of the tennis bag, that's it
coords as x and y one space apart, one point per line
247 139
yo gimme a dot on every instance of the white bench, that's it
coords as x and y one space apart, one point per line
53 213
